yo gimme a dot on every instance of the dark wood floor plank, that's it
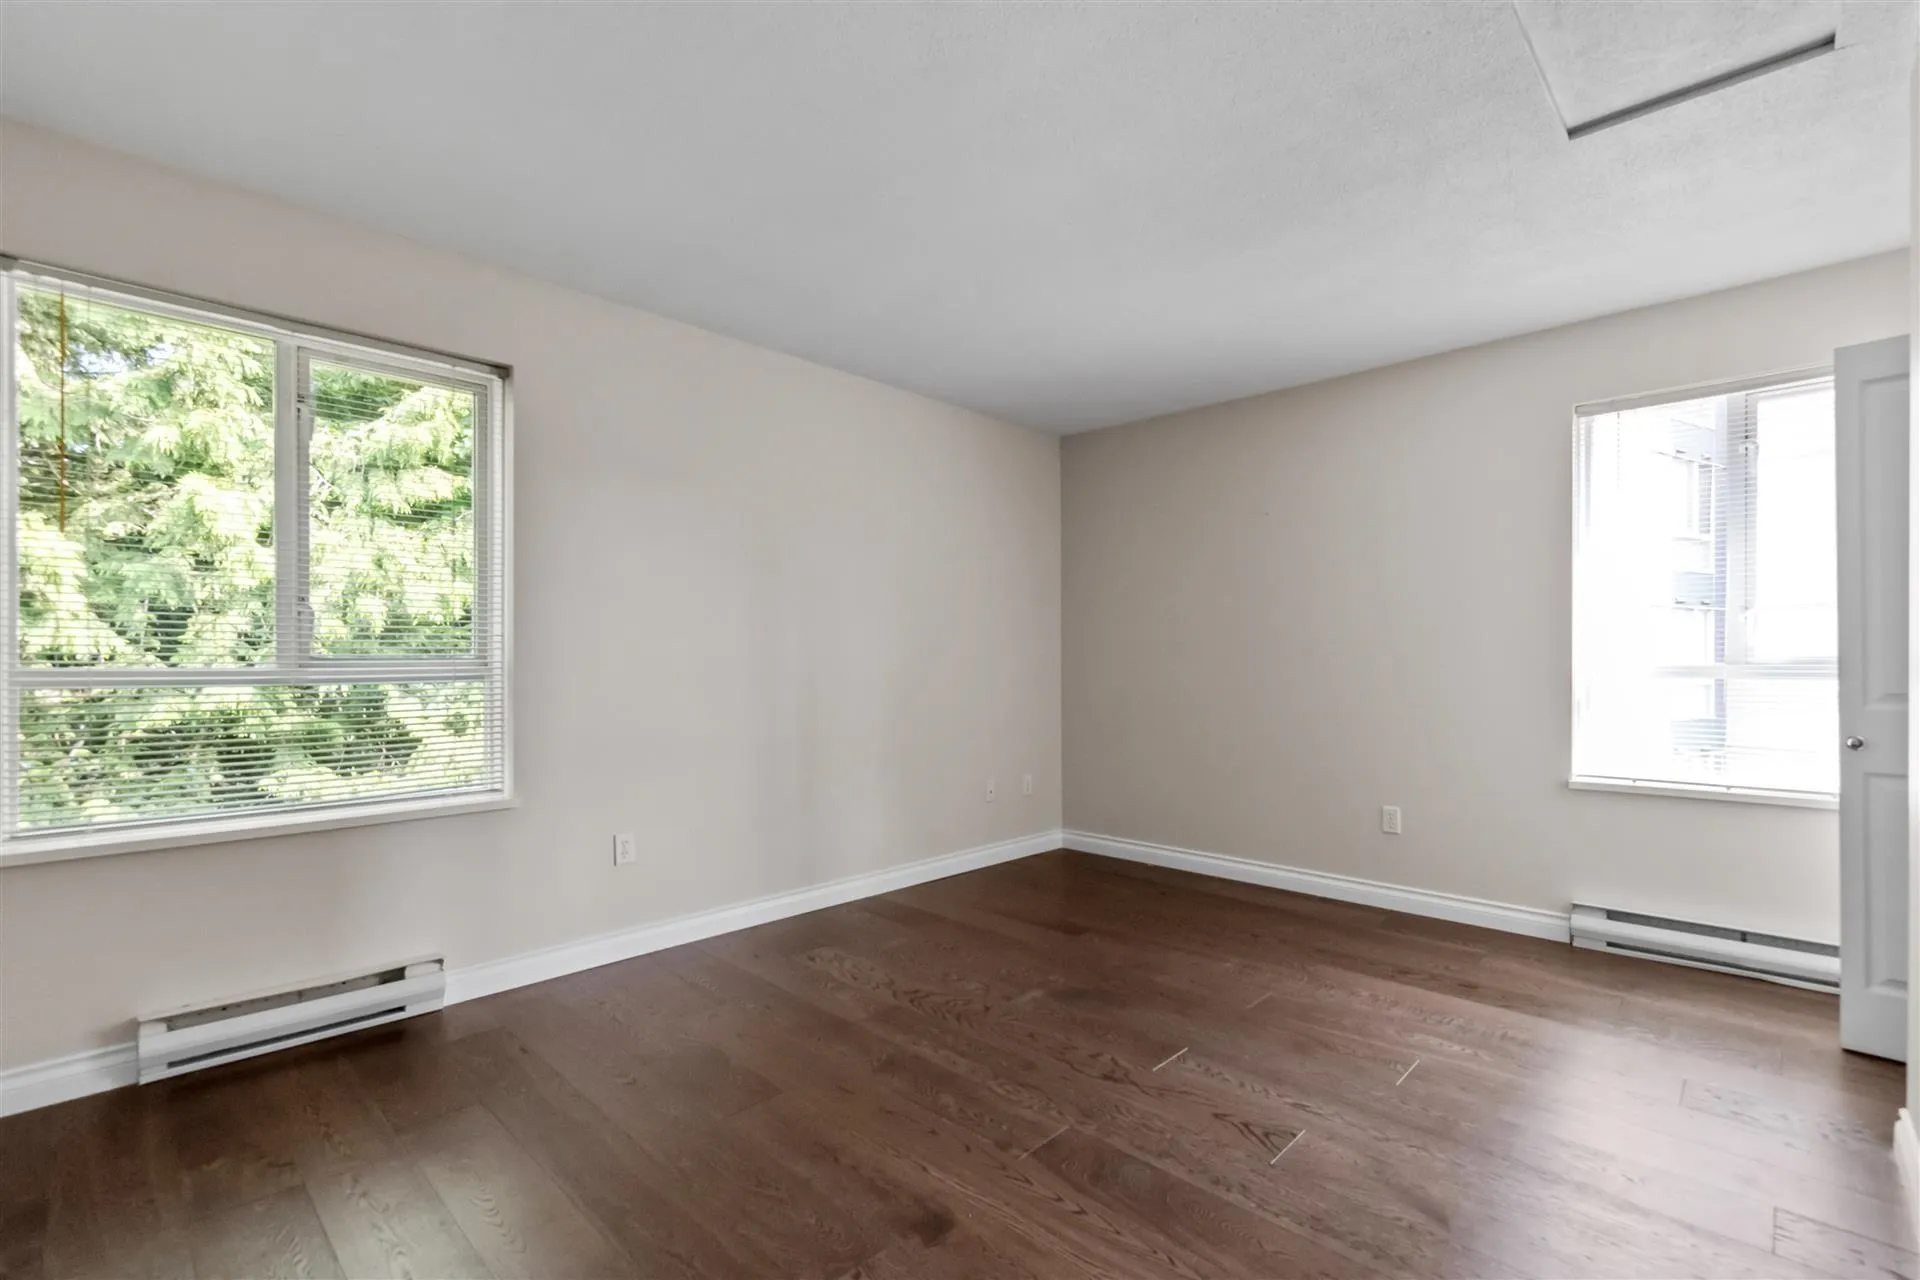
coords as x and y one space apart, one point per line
1021 1111
1016 1194
1653 1156
1061 1066
666 1225
1533 1205
1750 1216
1886 1221
26 1166
1446 1027
1222 1237
1083 1075
705 1074
1842 1121
1832 1251
383 1219
166 1254
227 1138
1692 993
114 1186
984 1088
1574 1115
968 1252
642 994
1217 1139
273 1237
325 1117
1346 915
773 1212
1565 1240
1124 909
1375 1157
406 1072
887 1209
1086 960
1491 983
509 1208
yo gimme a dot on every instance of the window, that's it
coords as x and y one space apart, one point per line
1705 628
256 577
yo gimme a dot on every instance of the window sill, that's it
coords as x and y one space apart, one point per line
1784 799
28 850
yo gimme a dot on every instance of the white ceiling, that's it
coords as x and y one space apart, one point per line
1595 63
1065 215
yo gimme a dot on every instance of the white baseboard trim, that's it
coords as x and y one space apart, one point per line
485 979
1535 923
1906 1154
41 1084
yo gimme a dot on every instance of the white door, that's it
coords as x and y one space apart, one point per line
1870 407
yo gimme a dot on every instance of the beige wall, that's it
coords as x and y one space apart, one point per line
781 622
1284 612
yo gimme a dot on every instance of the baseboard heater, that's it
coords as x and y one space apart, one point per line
208 1035
1792 961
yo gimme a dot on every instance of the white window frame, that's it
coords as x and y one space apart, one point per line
296 345
1738 582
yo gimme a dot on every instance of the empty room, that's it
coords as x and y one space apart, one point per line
957 640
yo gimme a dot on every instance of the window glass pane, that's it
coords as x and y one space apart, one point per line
1782 733
1682 637
145 527
1794 611
391 526
1758 732
145 544
1704 592
1645 726
1651 574
97 756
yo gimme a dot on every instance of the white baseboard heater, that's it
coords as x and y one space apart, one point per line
1792 961
208 1035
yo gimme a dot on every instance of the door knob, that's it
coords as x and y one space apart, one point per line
1854 744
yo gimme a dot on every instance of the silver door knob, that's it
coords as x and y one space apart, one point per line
1854 744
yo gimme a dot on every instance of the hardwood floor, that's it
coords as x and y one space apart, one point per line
1064 1066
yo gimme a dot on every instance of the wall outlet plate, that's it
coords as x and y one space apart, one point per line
624 848
1390 819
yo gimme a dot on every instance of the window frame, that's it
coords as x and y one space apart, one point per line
1737 587
296 346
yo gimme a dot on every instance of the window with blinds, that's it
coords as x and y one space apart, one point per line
256 574
1705 626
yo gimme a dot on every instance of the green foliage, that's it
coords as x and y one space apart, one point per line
146 539
391 533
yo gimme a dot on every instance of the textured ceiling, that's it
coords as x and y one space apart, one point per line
1068 216
1596 64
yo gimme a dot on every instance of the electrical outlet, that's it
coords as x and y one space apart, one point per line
1390 819
993 791
623 849
1026 784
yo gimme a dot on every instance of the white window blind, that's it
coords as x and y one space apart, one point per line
255 574
1705 628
